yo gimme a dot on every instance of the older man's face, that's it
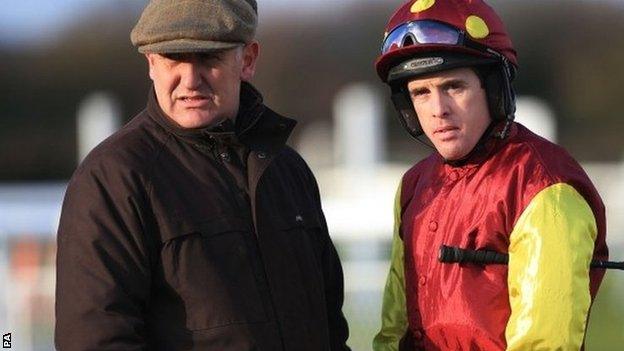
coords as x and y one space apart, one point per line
201 89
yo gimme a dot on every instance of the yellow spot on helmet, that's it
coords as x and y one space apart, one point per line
385 35
476 27
421 5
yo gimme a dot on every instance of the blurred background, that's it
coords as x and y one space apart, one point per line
70 76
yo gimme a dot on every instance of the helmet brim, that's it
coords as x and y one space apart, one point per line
431 62
467 56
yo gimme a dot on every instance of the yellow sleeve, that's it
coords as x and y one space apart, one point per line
393 310
551 247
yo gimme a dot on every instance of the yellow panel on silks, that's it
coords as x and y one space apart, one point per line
550 251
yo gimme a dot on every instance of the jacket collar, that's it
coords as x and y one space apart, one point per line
256 126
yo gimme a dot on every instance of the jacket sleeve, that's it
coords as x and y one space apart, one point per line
393 311
551 247
103 274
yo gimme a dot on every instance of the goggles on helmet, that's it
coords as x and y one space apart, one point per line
431 32
427 32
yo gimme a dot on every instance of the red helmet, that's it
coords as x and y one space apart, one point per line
426 36
465 26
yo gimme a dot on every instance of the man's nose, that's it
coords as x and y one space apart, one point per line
439 104
190 75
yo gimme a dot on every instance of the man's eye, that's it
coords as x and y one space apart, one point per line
455 87
419 92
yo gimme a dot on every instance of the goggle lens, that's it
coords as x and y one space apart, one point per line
421 32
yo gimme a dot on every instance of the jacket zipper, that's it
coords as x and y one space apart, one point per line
222 169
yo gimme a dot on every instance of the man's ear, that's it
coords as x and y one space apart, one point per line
150 65
250 57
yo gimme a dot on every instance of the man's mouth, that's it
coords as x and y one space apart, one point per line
445 130
194 101
193 98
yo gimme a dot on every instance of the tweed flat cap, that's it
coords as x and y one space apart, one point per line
177 26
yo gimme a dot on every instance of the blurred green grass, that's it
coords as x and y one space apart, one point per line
606 323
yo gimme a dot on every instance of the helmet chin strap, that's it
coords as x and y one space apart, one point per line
423 140
505 131
508 94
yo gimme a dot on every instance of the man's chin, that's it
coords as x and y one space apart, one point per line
198 120
451 154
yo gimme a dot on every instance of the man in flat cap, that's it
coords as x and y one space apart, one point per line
195 227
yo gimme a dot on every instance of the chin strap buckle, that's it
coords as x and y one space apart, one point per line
504 133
